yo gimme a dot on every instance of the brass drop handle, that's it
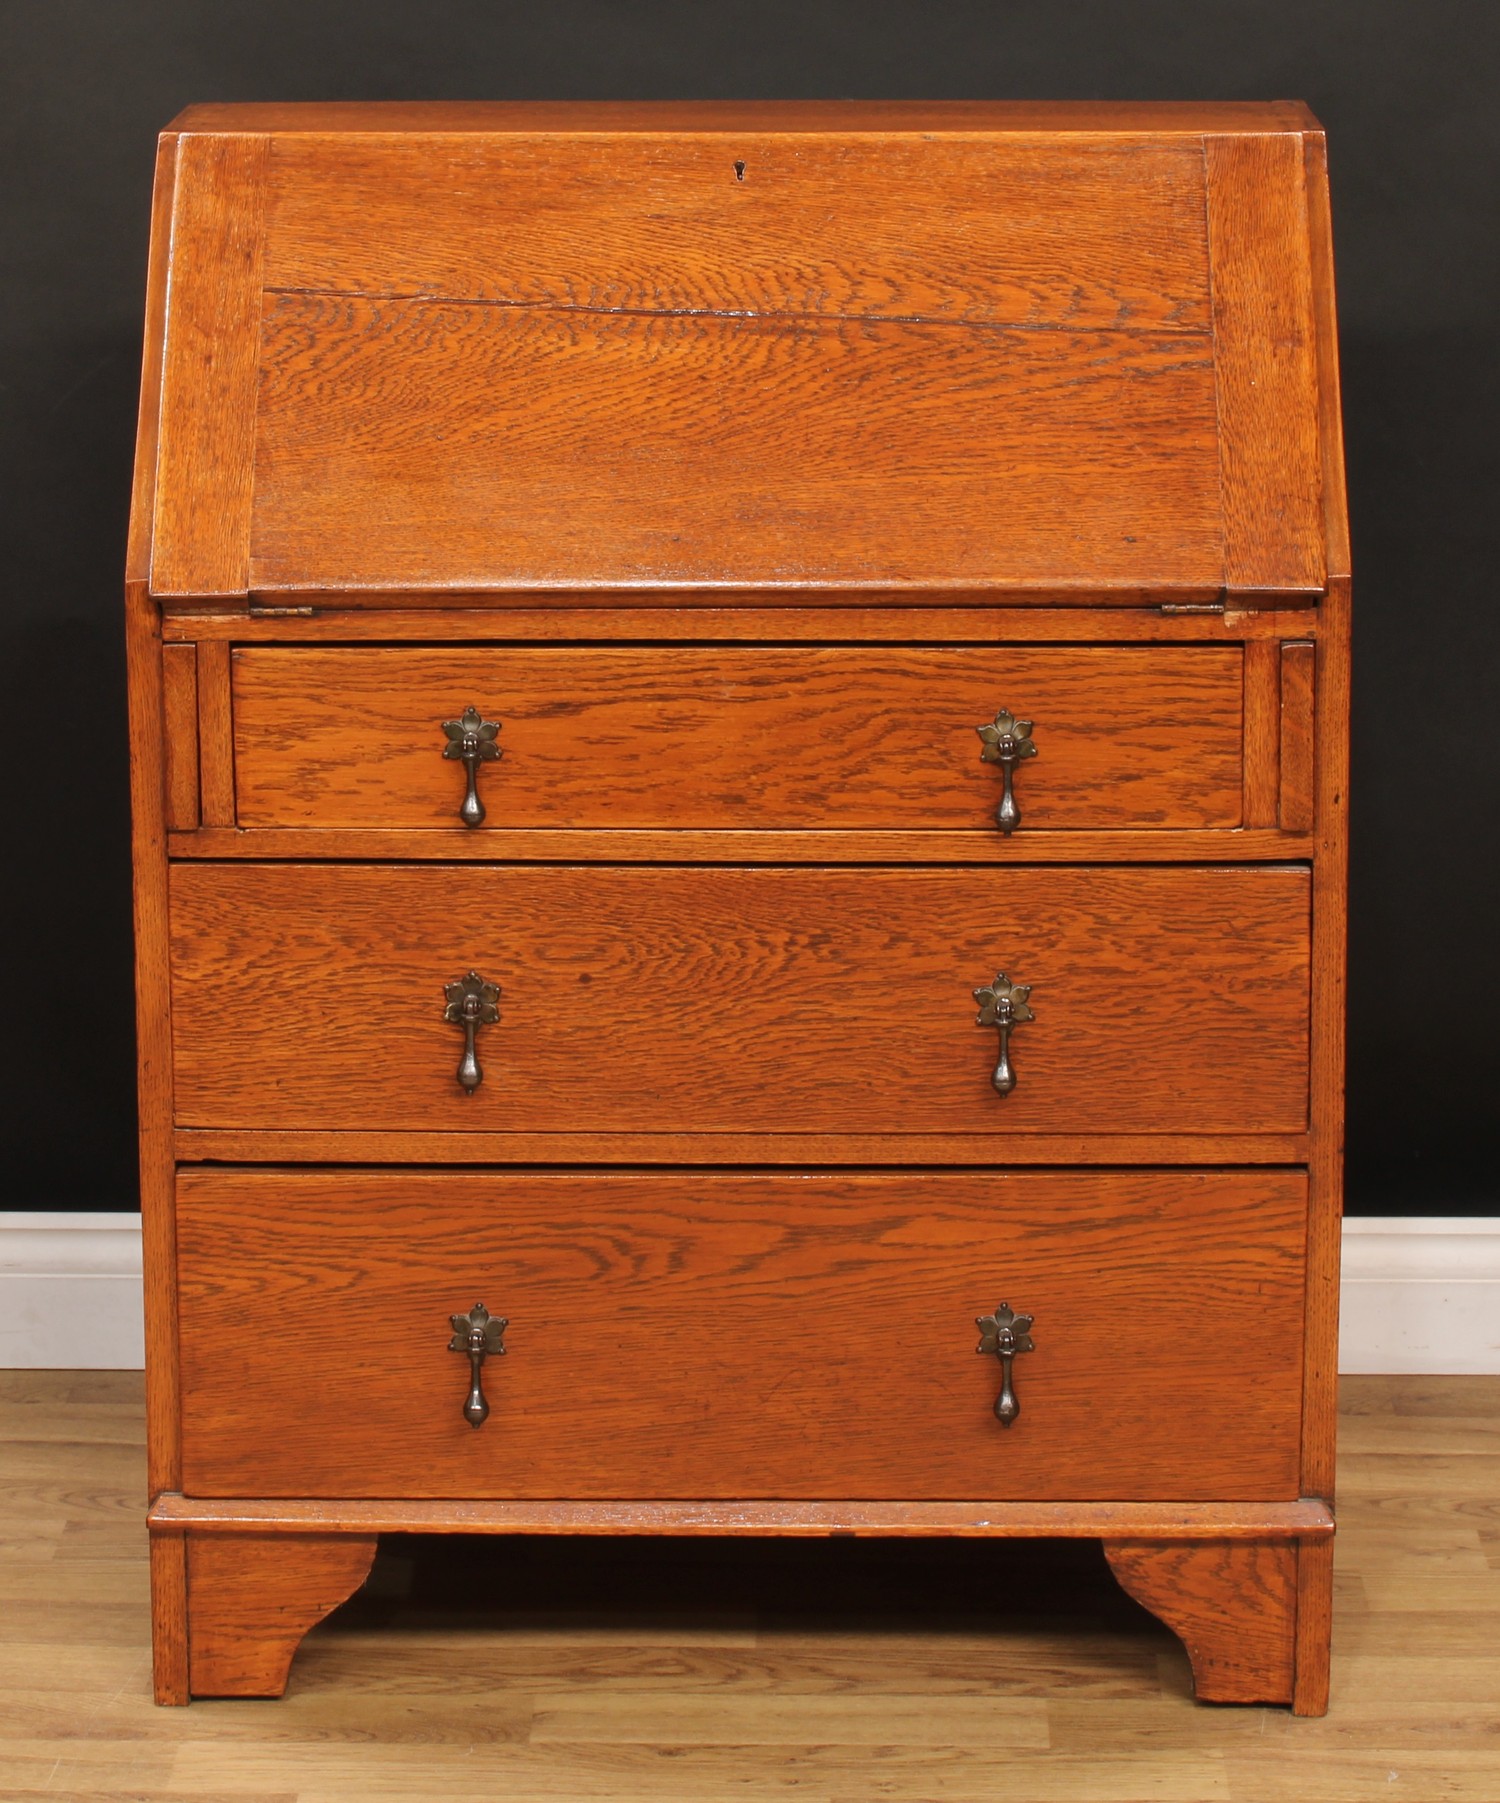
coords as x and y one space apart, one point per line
1006 741
1004 1334
472 1004
479 1334
471 738
1002 1004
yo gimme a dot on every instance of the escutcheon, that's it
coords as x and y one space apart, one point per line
471 739
479 1334
472 1004
1006 741
1005 1333
1002 1004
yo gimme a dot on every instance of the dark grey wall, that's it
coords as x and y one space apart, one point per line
1410 94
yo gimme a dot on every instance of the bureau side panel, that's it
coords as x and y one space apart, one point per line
1330 874
153 1032
143 657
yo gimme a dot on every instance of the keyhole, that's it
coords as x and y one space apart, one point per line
739 172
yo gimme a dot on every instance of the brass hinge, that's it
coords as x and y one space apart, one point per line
281 613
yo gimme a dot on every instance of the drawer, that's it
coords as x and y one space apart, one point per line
758 738
697 1334
711 1000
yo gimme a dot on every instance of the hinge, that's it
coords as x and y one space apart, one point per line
281 613
1192 607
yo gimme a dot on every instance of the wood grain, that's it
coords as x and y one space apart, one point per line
832 280
857 225
204 476
196 1145
1312 1676
468 445
169 1619
1298 661
690 845
1262 732
1327 1042
252 1598
148 413
215 734
153 1028
1325 317
788 738
1266 367
179 679
691 1334
805 420
1307 1522
1232 1603
447 618
735 1000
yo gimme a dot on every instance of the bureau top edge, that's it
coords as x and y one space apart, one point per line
582 117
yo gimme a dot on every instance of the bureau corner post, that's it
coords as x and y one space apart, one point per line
1314 1622
153 1034
169 1618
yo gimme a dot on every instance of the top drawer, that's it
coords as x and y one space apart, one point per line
788 738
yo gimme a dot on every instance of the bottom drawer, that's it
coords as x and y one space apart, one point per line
724 1335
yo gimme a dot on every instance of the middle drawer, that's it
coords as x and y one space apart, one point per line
703 999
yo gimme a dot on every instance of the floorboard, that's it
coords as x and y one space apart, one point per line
694 1671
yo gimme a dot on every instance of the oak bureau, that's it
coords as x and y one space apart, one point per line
738 738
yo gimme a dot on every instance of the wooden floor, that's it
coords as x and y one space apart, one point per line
828 1672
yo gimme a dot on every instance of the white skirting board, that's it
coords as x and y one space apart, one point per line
1420 1294
70 1292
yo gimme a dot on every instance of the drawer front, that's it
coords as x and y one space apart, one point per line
713 1335
779 737
695 1000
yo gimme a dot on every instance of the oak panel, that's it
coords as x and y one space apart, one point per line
703 999
205 472
691 1334
179 704
1298 773
1266 359
215 733
251 1599
438 443
1232 1603
861 225
765 737
1262 732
